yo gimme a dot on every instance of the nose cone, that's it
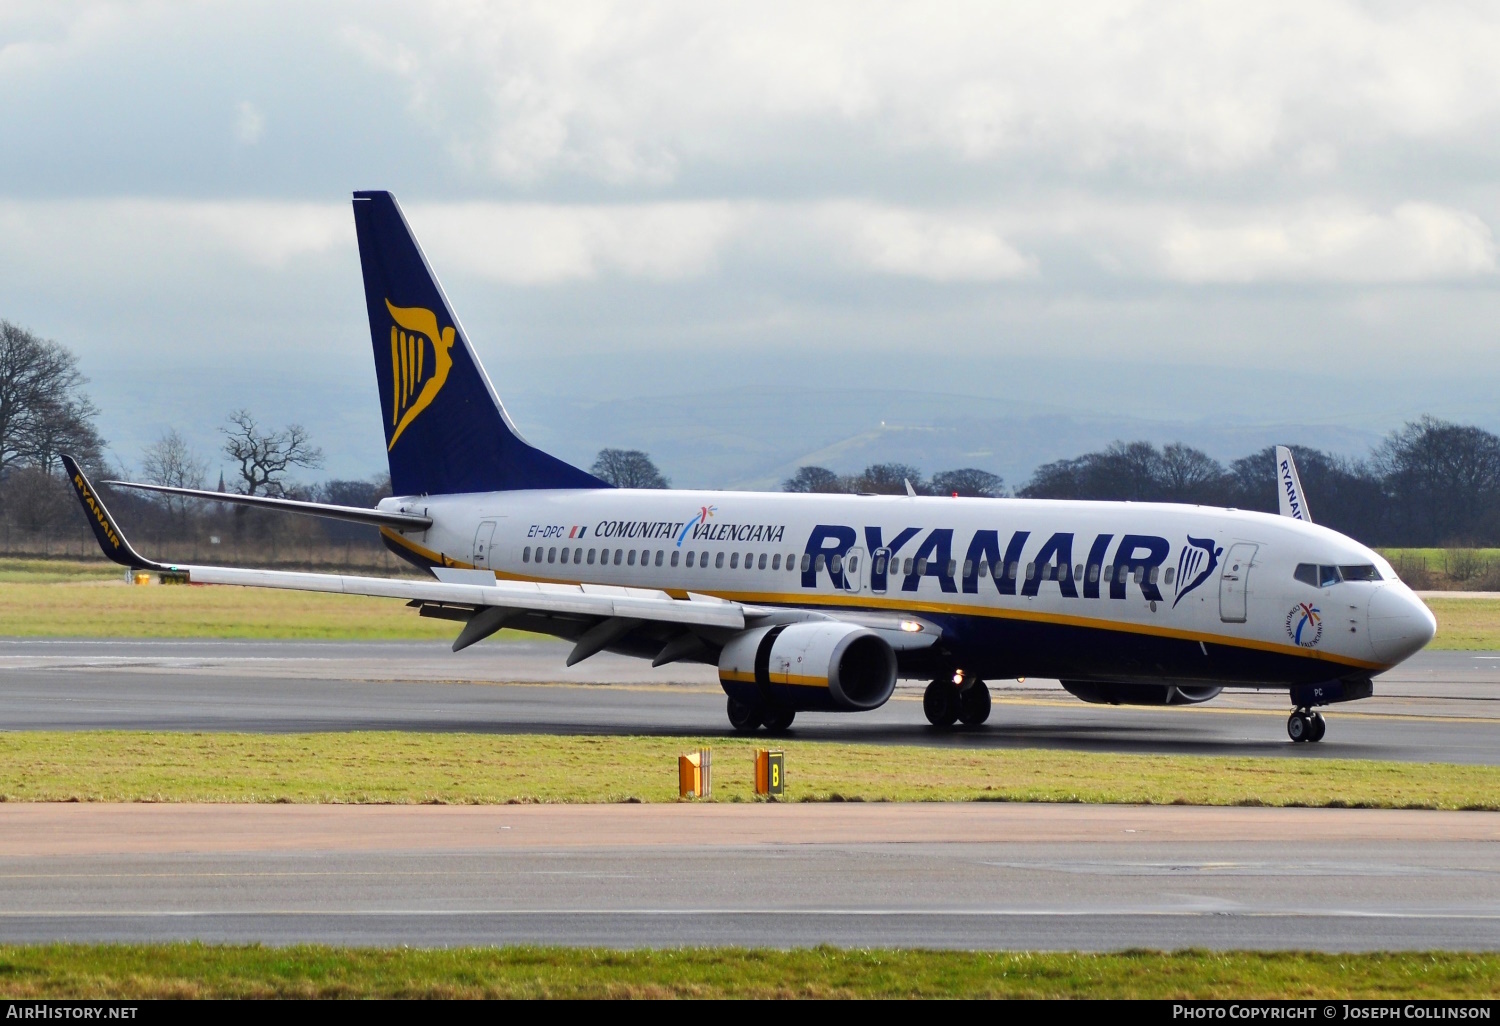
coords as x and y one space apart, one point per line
1400 623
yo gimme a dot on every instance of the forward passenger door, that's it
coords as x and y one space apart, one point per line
1234 582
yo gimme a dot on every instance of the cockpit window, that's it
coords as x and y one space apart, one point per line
1321 576
1363 572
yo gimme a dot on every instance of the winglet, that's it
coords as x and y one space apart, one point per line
111 540
1289 487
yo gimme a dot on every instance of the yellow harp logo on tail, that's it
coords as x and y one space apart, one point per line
416 375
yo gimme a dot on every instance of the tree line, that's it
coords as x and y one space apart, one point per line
1429 483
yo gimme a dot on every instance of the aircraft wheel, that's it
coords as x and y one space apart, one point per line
778 721
1299 726
940 703
1319 727
974 704
743 717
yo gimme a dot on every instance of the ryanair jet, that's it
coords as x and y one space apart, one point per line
822 602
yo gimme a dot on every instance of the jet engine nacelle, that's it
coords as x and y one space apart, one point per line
1139 694
838 667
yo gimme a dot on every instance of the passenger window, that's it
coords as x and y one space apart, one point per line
776 561
630 559
1328 576
564 556
619 556
1013 569
675 557
791 561
836 563
907 567
659 555
1093 572
690 559
526 554
984 568
878 566
1031 570
552 555
818 563
853 563
719 561
1171 573
762 564
968 568
749 561
1151 576
734 560
806 562
1363 572
952 567
591 557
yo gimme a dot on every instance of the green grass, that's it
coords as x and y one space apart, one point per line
201 971
109 608
409 768
1466 624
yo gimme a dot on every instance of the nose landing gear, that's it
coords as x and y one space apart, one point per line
1304 725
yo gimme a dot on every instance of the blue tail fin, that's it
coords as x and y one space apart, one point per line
445 429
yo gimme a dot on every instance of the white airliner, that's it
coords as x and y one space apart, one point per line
821 602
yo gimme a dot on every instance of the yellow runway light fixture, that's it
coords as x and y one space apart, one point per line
695 778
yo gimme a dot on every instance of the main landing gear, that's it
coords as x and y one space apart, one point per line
1305 725
747 719
945 704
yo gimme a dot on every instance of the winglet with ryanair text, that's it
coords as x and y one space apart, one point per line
111 540
1292 501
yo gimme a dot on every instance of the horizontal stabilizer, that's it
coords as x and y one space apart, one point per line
353 514
1289 487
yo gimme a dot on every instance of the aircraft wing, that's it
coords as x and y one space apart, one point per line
353 514
462 590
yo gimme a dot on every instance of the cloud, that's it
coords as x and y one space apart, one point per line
1335 242
249 123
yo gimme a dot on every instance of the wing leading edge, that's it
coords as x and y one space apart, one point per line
470 599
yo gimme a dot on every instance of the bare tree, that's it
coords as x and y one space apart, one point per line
43 410
889 479
265 457
628 468
171 461
968 481
814 479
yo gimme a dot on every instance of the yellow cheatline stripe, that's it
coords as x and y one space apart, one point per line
796 680
915 606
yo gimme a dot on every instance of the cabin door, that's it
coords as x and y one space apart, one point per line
854 570
1234 582
483 539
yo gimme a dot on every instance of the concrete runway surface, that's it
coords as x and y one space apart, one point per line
1439 706
968 876
961 875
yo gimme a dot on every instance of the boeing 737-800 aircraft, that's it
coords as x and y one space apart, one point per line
821 602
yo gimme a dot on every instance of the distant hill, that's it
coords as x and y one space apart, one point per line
754 438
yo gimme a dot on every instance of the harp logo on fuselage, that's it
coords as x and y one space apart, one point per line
420 362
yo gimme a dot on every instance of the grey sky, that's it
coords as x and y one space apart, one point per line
1273 213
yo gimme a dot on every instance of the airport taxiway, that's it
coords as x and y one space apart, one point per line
1438 706
936 875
